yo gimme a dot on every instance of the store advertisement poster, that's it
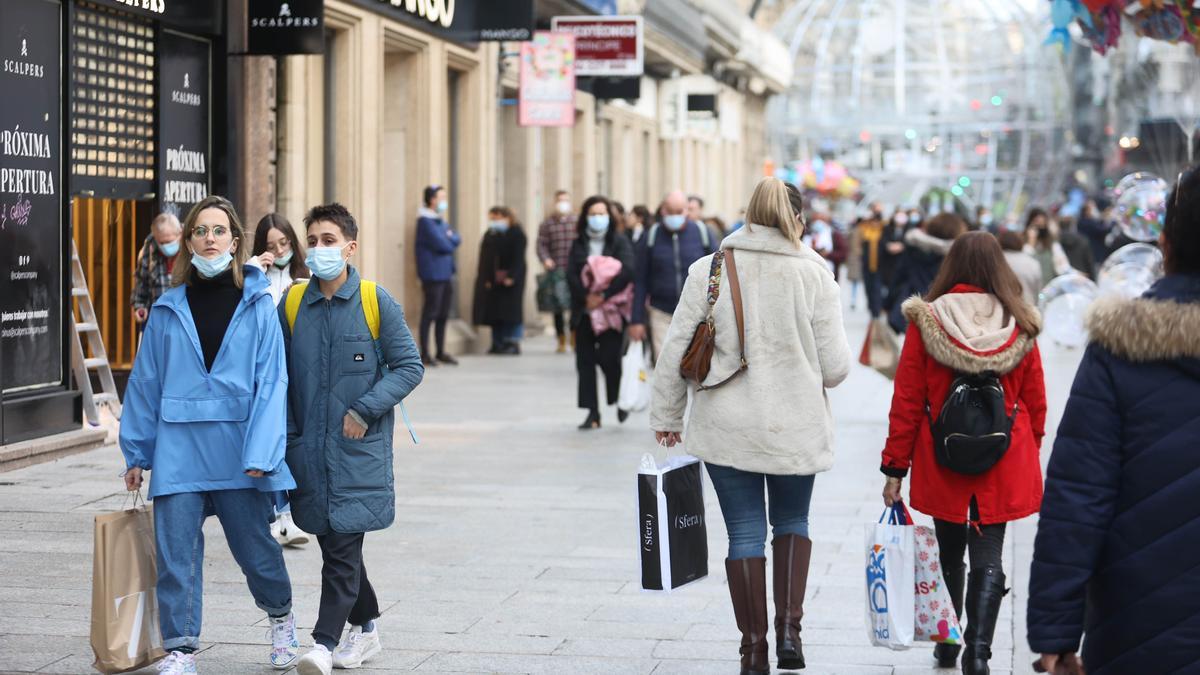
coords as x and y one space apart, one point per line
547 92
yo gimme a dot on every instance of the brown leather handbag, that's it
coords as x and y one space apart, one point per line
697 360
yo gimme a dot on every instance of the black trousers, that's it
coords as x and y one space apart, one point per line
873 282
985 545
560 323
435 312
593 350
346 594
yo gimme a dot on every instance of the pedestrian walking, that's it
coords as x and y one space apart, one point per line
1041 242
351 360
556 236
971 342
663 256
924 249
1116 544
1096 226
205 414
1025 266
873 253
598 345
436 243
500 284
771 425
640 219
695 208
854 262
1076 248
155 263
281 256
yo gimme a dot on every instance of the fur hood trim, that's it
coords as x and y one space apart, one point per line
954 355
1143 329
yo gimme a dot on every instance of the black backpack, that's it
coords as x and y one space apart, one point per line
973 430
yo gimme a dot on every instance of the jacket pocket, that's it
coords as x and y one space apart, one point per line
358 355
222 409
361 494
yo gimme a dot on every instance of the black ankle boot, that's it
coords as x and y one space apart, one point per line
985 591
592 421
956 579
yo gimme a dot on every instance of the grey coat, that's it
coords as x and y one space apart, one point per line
345 485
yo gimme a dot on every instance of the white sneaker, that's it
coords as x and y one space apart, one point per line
284 646
285 531
318 661
178 663
357 648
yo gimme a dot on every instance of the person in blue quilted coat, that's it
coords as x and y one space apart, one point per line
1115 561
343 389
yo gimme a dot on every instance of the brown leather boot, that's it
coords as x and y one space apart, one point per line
562 344
748 591
792 554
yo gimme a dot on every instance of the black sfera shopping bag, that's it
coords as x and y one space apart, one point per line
672 533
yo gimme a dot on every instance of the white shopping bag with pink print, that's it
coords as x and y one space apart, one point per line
935 618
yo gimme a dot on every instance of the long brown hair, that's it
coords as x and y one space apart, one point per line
182 274
976 259
273 221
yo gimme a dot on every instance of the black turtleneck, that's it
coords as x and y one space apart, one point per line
212 302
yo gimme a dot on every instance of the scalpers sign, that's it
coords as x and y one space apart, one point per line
547 92
183 124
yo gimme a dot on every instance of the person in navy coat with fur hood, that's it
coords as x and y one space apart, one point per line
1119 536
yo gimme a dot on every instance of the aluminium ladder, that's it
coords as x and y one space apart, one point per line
83 365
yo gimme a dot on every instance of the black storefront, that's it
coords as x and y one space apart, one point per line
108 119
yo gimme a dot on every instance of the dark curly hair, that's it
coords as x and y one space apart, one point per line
336 214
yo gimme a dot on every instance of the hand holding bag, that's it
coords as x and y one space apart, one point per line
125 634
890 572
697 360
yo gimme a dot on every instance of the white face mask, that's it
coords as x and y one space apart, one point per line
901 219
564 207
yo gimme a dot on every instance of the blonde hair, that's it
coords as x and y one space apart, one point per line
182 274
770 207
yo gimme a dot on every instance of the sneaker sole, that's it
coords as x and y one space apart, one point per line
370 654
284 666
308 668
294 541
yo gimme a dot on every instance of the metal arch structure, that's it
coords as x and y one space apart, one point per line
919 95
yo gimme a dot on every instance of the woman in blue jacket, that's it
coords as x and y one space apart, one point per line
1119 535
205 413
436 242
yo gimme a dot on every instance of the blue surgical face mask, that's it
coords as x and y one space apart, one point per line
987 219
283 260
598 224
498 225
211 267
675 222
443 206
170 248
326 262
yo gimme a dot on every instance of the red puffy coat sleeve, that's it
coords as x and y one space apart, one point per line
1033 394
908 406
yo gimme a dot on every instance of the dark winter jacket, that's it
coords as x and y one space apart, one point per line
916 269
1119 537
501 256
1096 230
615 246
663 258
435 247
1079 253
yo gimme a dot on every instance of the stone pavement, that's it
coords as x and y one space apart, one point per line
514 548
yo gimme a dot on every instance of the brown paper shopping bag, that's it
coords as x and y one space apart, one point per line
125 633
881 349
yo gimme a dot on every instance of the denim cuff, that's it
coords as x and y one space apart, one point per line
286 608
175 643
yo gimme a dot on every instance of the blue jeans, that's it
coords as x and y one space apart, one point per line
504 334
746 512
280 501
179 538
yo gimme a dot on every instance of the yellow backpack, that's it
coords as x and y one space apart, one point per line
370 305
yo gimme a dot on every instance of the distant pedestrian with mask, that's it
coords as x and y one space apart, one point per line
155 263
436 243
281 256
556 235
205 412
1041 242
640 219
598 242
500 284
663 257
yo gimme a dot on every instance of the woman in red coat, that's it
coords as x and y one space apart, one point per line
974 321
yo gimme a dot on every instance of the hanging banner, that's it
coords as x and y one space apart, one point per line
547 91
31 244
609 46
279 27
183 123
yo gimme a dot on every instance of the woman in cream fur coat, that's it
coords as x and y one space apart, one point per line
769 425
